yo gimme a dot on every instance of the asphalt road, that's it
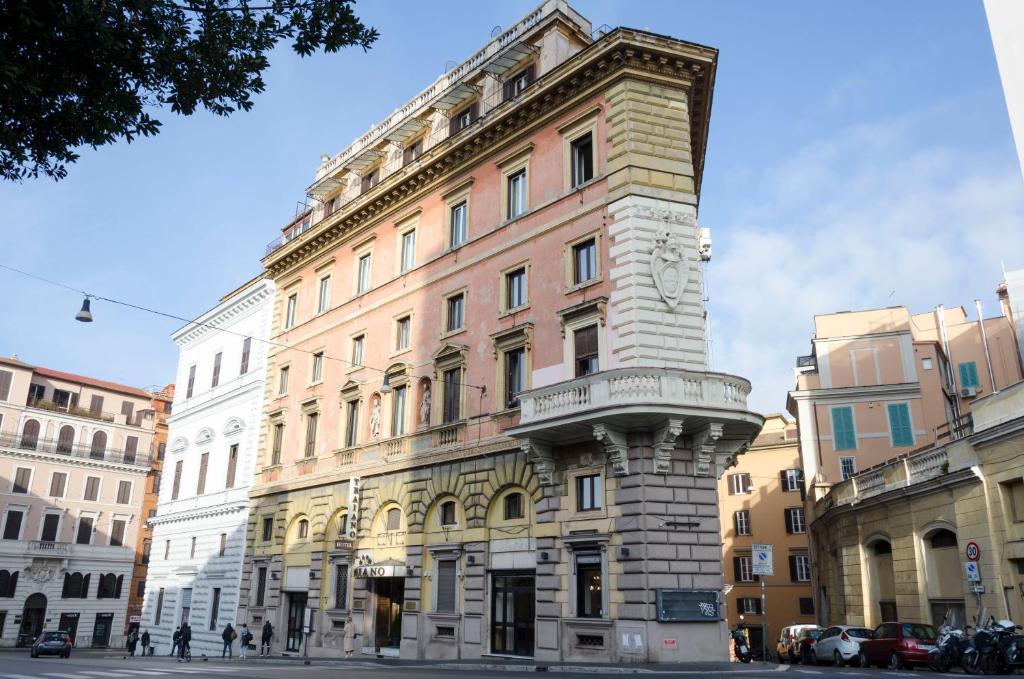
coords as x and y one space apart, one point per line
88 666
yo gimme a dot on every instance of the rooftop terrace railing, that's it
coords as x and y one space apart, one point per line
61 448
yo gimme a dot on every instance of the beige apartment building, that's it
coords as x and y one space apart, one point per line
889 447
762 502
74 459
492 429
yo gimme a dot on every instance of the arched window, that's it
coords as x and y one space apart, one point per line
65 439
76 586
8 583
882 547
30 435
447 513
303 529
99 445
394 519
943 538
107 586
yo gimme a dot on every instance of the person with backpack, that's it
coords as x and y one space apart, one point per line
133 641
229 635
145 642
246 638
177 641
185 642
268 634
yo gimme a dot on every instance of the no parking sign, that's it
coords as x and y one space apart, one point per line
762 560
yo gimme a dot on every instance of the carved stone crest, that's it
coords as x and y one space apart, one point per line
668 267
40 574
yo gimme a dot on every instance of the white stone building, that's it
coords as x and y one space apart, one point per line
199 531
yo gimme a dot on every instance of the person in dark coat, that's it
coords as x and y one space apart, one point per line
228 635
186 640
268 634
145 642
133 642
177 641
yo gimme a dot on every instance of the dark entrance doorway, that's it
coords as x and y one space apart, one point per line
101 630
387 625
512 613
32 618
69 624
296 617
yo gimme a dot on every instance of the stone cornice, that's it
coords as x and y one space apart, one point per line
226 313
620 53
954 478
847 393
198 513
74 461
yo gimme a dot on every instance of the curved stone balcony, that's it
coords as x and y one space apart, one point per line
709 407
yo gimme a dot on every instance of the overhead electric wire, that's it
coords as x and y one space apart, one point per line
197 323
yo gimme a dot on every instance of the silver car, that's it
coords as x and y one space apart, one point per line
839 644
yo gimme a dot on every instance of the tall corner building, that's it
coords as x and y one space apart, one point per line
489 423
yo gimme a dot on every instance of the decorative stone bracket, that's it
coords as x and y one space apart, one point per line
543 461
664 443
708 449
614 442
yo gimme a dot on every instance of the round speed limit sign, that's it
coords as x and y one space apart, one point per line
972 551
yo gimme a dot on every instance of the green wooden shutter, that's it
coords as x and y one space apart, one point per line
899 424
968 374
843 435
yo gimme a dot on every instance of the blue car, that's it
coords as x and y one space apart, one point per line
52 643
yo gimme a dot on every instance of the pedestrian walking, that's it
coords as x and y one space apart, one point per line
145 642
246 639
265 638
185 643
133 641
177 641
228 635
350 637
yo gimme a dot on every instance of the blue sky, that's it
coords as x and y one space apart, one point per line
860 155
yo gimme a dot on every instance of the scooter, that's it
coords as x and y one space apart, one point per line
949 649
739 638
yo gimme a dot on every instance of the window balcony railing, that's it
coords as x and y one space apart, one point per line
49 547
137 419
75 450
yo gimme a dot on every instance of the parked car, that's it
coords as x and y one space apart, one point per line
785 647
897 645
840 644
805 641
52 643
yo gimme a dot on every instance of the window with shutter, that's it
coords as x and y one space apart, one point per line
394 519
843 435
12 526
190 387
232 466
275 451
127 408
5 384
215 378
246 348
452 393
124 492
204 462
968 375
901 431
51 523
117 533
261 586
22 480
311 423
131 448
96 405
84 536
586 348
446 586
176 487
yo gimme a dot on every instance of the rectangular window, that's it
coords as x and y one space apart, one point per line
515 376
513 506
581 151
167 549
191 381
229 481
159 606
96 404
204 461
742 521
124 492
214 608
92 488
744 567
408 260
358 344
275 451
147 549
847 467
403 328
586 350
588 586
192 549
22 480
739 484
223 544
807 606
369 180
363 281
1015 491
398 411
311 422
12 527
324 300
268 528
464 118
968 375
446 579
791 480
749 605
351 423
411 152
515 288
458 229
215 380
452 395
261 585
140 589
795 520
6 378
588 493
127 408
901 430
584 261
84 535
456 312
246 348
51 523
62 399
36 393
117 532
176 488
131 447
318 367
843 435
341 586
516 194
282 380
515 85
800 568
290 309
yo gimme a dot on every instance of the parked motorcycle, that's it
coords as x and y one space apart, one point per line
949 649
994 649
740 643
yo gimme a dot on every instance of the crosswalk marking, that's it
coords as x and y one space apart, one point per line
65 675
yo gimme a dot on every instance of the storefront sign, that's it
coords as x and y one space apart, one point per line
135 618
354 496
389 571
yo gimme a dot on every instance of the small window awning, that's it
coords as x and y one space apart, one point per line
328 185
454 96
365 159
509 59
406 129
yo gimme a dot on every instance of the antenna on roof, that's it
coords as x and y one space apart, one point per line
496 31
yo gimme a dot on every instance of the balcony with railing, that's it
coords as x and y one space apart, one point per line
142 418
63 449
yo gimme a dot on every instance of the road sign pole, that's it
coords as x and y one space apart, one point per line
764 624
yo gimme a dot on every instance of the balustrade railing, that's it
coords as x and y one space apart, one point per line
136 419
62 448
49 547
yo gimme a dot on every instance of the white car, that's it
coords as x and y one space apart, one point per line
839 644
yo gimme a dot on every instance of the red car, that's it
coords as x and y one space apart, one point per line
897 645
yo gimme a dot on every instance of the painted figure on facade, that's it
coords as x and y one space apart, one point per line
668 268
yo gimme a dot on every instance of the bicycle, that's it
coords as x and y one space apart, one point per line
186 655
